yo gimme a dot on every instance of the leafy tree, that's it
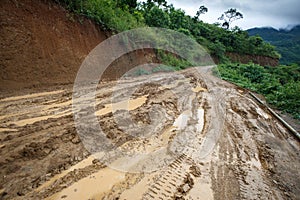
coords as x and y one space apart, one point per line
178 18
156 17
229 16
160 2
202 10
131 4
151 3
217 49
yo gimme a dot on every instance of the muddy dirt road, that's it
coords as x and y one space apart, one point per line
206 139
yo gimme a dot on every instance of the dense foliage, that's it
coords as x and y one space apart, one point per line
280 85
287 42
109 14
117 15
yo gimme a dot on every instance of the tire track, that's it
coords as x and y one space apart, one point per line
170 179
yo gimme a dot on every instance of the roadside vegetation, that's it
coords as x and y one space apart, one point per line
280 85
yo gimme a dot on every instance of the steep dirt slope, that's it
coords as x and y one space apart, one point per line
257 59
42 44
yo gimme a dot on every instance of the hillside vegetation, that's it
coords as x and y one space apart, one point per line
117 16
287 42
280 85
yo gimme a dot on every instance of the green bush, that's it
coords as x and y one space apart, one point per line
172 61
140 72
163 68
156 17
106 13
280 85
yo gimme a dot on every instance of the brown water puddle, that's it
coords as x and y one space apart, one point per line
199 89
136 192
8 129
202 188
24 122
174 84
31 95
82 164
123 105
57 105
91 186
161 141
37 109
127 105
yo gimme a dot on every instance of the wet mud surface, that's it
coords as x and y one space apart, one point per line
218 143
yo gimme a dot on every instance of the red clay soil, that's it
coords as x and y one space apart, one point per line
257 59
42 44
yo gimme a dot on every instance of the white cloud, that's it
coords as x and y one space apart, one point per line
257 13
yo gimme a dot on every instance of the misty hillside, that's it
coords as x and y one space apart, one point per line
287 42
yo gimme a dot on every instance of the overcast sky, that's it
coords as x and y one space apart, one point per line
257 13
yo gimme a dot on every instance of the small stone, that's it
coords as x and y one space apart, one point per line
20 193
47 151
75 140
195 171
95 161
186 188
287 194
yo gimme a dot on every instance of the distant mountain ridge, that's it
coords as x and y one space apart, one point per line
287 42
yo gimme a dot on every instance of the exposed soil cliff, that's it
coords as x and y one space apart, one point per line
42 44
257 59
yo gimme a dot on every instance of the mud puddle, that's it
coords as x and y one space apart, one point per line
123 105
29 96
82 164
91 186
37 119
199 89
